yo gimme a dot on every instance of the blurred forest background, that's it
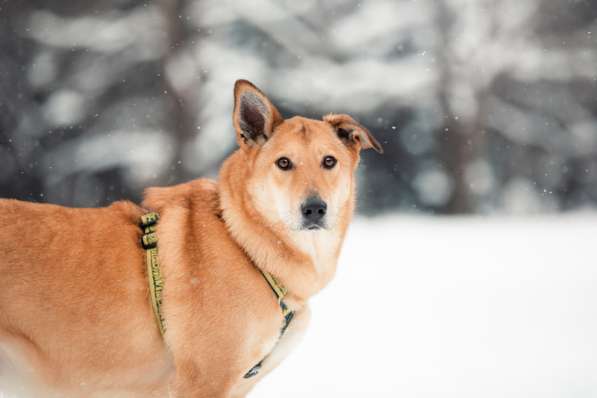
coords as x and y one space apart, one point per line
483 106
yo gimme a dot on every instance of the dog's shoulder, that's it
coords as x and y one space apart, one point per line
202 192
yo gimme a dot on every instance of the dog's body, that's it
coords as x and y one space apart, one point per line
75 317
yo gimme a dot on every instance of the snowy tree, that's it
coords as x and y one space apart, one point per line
95 107
432 78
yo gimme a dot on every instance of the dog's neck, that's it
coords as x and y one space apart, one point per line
303 261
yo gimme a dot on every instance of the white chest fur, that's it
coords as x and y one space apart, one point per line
321 246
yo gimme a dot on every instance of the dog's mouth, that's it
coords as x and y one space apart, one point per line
313 226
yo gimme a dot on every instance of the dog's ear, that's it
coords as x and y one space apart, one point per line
254 117
352 133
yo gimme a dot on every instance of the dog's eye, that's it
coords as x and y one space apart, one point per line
284 163
329 162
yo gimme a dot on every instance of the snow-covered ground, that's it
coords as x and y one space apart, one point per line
471 307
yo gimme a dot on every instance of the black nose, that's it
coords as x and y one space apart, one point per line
313 210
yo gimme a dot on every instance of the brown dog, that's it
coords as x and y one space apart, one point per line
76 316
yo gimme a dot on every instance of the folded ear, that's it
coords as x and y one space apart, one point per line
254 117
351 132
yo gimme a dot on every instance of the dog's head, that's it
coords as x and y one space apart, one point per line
300 171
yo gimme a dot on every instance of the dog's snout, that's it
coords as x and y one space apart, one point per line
314 210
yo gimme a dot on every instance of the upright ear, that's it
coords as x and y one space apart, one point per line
353 133
254 117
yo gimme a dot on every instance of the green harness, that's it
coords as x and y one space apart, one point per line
149 241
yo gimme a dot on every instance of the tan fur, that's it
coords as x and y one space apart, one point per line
75 315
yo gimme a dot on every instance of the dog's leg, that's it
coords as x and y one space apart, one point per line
288 341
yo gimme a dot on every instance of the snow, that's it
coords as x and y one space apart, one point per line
453 307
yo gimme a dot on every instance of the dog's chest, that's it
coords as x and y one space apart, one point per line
260 344
267 346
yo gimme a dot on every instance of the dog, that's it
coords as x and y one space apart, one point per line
204 297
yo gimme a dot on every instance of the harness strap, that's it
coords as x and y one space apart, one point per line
149 241
280 292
